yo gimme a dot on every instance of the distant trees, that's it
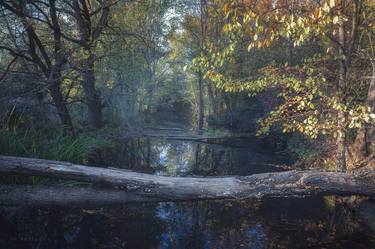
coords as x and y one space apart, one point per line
197 27
150 32
141 35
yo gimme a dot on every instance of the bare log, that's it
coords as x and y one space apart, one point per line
280 184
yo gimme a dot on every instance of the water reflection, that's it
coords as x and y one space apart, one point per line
319 222
273 223
176 158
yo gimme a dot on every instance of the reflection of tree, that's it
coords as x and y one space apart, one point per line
29 228
273 223
114 227
195 236
302 223
136 227
202 225
179 158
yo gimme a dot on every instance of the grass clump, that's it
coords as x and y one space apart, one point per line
33 143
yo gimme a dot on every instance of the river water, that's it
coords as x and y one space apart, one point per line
314 222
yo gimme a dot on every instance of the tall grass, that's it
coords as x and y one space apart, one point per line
33 143
22 135
19 136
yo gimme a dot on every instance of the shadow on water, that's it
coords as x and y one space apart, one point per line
316 222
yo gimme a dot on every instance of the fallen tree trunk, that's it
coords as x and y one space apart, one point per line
280 184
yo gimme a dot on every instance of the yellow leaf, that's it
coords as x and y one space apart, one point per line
318 13
335 20
299 21
251 45
332 3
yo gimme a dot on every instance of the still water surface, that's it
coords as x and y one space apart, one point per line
317 222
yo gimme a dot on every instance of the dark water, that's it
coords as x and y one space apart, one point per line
318 222
182 158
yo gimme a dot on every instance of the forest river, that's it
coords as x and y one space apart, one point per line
311 222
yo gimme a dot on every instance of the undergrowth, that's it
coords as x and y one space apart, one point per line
33 143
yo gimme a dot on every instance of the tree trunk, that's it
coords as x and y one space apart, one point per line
201 102
360 146
54 75
149 89
227 102
88 36
62 110
92 95
289 51
213 101
341 120
150 84
341 116
278 184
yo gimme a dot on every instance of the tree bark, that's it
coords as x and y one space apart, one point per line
203 32
55 73
92 95
88 37
289 51
289 41
150 83
280 184
201 102
227 102
341 116
62 110
213 101
360 146
341 120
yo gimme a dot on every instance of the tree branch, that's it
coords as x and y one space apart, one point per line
2 77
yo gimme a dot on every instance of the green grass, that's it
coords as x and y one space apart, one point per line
47 145
32 143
